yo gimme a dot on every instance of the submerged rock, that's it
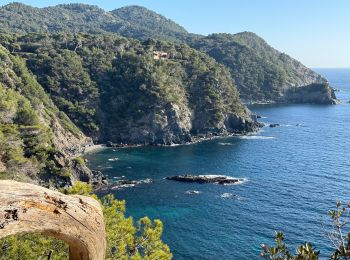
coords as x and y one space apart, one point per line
228 195
129 183
113 159
193 192
274 125
218 179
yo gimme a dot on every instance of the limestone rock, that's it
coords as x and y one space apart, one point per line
77 220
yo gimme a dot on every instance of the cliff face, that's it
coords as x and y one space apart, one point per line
37 141
184 96
315 93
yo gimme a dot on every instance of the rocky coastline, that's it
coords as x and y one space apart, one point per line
315 93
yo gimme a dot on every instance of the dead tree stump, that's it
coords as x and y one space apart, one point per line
77 220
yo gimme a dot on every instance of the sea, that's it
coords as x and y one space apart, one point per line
292 175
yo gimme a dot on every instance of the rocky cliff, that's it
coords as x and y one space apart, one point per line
184 96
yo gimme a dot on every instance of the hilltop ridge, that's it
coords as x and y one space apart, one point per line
261 73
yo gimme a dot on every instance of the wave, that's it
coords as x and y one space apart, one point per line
113 159
239 180
225 143
228 195
256 137
193 192
296 125
118 187
121 184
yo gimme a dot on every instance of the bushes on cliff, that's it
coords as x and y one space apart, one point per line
108 84
25 143
28 120
259 71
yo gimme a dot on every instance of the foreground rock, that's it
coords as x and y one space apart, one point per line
218 179
77 220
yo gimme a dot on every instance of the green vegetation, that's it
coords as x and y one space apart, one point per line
65 71
131 21
125 240
80 160
338 236
32 246
88 76
141 23
281 251
27 141
260 72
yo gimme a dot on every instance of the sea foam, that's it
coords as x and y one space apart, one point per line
256 137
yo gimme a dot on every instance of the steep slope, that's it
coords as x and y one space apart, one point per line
118 89
37 141
263 74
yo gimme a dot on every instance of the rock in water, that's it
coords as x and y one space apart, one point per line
129 183
193 192
218 179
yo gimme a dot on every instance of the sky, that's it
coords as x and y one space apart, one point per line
316 32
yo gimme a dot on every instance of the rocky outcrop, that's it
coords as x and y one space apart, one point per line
77 220
174 124
316 93
217 179
166 124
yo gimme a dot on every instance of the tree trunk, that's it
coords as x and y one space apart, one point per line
77 220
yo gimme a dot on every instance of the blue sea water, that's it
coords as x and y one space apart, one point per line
294 173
